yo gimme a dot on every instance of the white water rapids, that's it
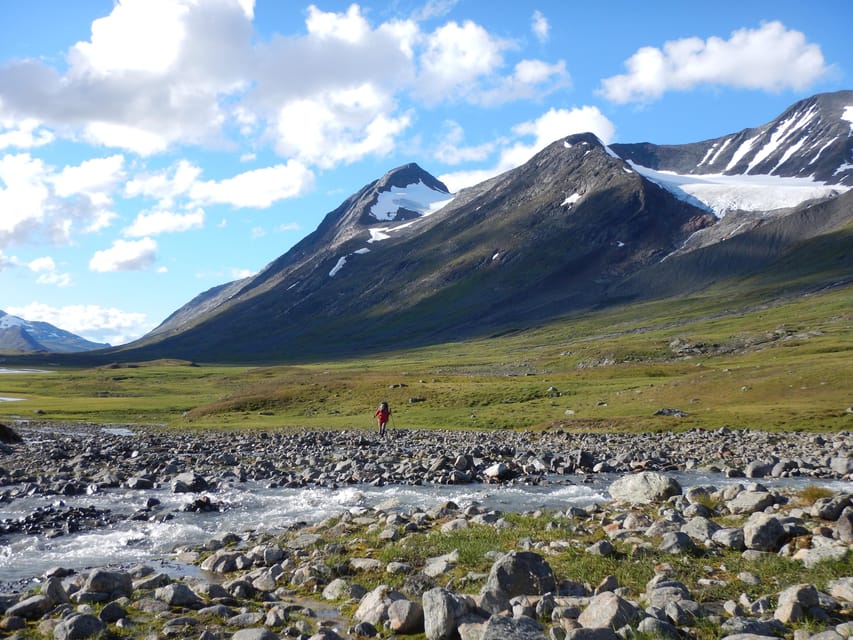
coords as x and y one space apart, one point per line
250 506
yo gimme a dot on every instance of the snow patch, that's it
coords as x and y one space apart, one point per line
847 114
571 199
416 197
742 150
340 265
12 321
495 257
721 149
813 160
786 127
362 251
721 193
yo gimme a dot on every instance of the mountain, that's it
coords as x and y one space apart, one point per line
402 262
21 336
811 140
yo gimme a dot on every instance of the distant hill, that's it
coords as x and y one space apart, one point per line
22 336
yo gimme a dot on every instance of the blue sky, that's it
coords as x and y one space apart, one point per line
152 149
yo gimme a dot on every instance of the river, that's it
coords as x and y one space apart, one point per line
251 506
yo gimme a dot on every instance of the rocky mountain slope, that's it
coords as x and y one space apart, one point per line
402 262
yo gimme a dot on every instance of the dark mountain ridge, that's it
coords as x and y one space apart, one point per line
403 263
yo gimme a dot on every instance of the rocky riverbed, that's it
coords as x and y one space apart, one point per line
659 559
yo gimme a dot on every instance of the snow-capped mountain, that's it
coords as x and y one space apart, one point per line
403 262
22 336
804 154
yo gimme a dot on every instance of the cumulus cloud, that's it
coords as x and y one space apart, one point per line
93 322
153 74
769 58
24 134
539 25
547 128
124 255
259 188
47 272
452 150
153 223
41 204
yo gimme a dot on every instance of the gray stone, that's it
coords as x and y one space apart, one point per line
829 508
189 482
55 592
610 611
750 502
31 608
179 595
406 617
442 611
676 542
113 584
77 627
841 588
812 557
842 465
764 532
658 629
749 626
373 607
592 634
729 538
254 634
521 573
600 548
504 628
644 487
700 528
844 525
112 612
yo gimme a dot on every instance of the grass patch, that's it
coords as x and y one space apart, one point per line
716 358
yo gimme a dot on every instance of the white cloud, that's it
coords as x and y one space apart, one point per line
456 56
164 186
289 226
24 134
100 324
45 267
40 204
770 58
152 223
151 76
97 178
539 25
124 255
452 151
547 128
259 188
350 27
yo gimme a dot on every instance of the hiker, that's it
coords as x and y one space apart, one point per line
382 414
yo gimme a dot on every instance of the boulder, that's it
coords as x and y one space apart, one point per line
373 607
764 532
110 584
178 594
750 501
841 588
794 602
8 435
189 482
405 617
506 628
520 573
77 627
610 611
442 611
644 487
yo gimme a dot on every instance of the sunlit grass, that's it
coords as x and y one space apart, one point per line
776 367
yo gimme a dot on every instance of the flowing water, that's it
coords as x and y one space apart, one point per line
250 506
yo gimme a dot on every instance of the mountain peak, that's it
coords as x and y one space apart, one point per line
404 193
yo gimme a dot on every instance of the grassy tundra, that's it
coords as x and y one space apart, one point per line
723 359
